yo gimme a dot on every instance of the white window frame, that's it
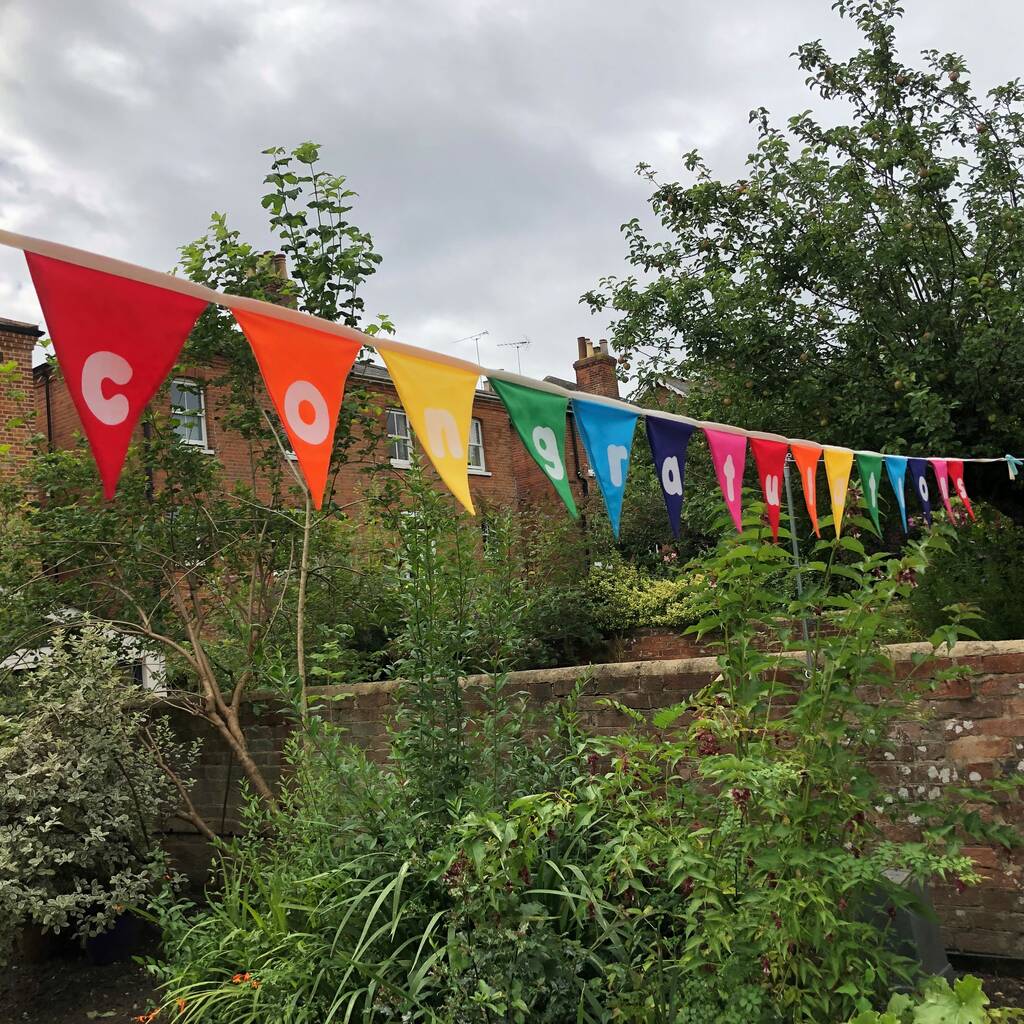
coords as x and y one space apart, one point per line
476 428
197 387
395 439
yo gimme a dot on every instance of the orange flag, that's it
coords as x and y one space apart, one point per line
305 372
807 456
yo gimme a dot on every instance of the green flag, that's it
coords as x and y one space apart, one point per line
539 419
870 467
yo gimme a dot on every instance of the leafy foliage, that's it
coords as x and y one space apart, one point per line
985 568
939 1003
82 791
861 280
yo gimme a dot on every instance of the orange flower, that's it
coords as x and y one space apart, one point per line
181 1005
238 979
255 983
147 1018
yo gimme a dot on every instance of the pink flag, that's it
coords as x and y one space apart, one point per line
956 478
729 454
941 470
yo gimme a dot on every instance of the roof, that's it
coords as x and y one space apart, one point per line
569 385
19 327
373 372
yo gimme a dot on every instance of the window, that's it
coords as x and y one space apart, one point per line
476 448
188 407
401 440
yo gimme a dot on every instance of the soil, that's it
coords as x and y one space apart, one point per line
72 990
69 989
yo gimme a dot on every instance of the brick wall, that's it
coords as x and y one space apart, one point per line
17 411
975 730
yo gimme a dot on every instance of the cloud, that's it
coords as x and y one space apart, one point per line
492 144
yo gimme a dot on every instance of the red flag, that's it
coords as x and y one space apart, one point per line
305 372
956 478
116 340
770 457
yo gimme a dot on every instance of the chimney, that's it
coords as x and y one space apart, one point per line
595 368
280 262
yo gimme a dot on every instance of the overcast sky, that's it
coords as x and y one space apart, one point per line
492 144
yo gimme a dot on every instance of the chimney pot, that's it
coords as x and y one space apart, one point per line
281 265
581 345
590 348
604 346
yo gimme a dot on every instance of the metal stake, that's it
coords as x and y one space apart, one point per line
796 557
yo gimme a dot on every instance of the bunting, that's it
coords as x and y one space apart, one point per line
940 467
956 478
539 420
305 372
438 399
729 455
669 441
807 457
118 330
116 341
919 476
896 467
869 466
607 432
770 459
838 463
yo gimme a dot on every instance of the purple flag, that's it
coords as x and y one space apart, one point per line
668 440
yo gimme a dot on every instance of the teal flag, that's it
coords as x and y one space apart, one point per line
870 468
539 419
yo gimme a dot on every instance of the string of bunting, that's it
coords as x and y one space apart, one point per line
118 329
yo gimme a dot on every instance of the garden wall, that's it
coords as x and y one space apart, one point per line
975 730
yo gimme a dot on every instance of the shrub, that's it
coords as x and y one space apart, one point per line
722 868
964 1002
985 568
620 596
81 792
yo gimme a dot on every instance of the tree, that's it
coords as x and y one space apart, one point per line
862 283
227 583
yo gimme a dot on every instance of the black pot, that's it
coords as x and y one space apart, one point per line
120 942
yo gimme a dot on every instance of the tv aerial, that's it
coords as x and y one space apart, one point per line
518 346
476 338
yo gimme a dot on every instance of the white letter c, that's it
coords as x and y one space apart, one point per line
98 368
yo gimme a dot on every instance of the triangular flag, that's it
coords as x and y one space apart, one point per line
919 475
806 457
956 478
438 399
607 432
770 459
729 454
869 466
941 469
116 341
1013 464
838 463
305 372
669 440
539 419
896 467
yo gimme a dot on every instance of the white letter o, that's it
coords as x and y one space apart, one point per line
300 391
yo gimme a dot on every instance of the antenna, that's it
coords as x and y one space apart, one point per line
518 346
473 337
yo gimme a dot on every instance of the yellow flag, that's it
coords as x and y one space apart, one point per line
838 463
438 399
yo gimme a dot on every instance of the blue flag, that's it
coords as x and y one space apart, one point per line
918 472
668 440
607 433
896 467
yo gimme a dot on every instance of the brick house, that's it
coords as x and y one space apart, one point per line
36 400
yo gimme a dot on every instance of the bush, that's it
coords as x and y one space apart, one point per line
723 868
985 568
620 596
81 792
962 1003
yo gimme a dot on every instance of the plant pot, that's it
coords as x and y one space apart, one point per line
120 942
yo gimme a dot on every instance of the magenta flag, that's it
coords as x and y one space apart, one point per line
941 470
729 454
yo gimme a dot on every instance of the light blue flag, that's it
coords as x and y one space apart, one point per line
1013 465
896 467
607 433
